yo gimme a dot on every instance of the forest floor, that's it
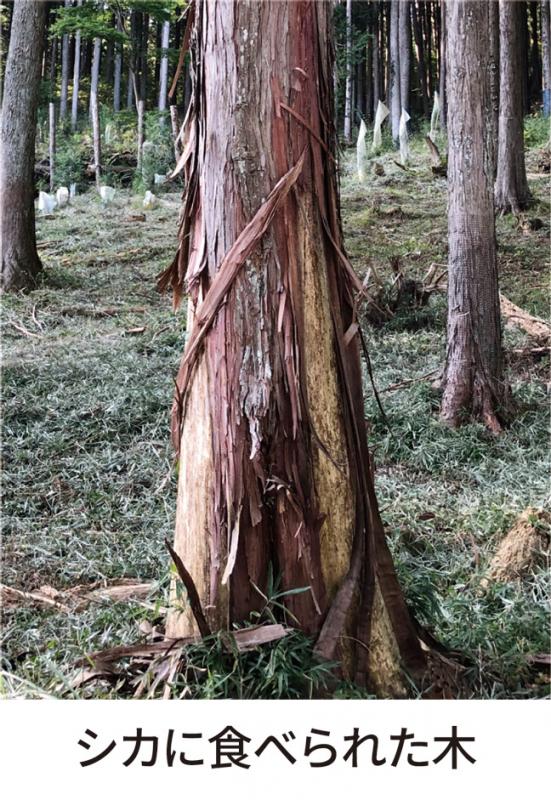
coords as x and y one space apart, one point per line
89 483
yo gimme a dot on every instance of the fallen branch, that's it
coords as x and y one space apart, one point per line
533 326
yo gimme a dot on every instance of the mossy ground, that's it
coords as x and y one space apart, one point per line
89 485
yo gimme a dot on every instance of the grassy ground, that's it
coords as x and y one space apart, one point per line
89 489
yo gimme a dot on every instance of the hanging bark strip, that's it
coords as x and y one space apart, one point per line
274 470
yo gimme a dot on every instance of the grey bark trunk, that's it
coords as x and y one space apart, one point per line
473 381
51 143
94 110
404 45
494 83
442 88
511 188
20 261
394 68
117 77
176 125
76 79
348 86
546 55
376 56
64 73
163 71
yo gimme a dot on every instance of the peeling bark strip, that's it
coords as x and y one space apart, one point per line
274 469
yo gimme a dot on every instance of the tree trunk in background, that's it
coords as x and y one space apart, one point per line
348 86
546 56
20 261
394 60
442 89
76 79
473 380
494 83
426 17
176 125
421 60
94 110
64 73
274 471
511 189
404 45
535 56
51 143
163 70
117 76
376 60
144 43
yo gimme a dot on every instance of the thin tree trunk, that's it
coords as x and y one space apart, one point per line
20 261
274 471
76 79
163 70
51 143
404 44
394 86
511 188
442 89
130 89
473 383
494 83
64 73
94 111
348 86
421 60
176 125
376 58
535 56
117 79
141 120
546 56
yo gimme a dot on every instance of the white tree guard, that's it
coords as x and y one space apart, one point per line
361 151
46 202
380 116
107 194
62 196
435 117
403 136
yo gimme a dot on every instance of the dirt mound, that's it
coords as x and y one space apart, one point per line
524 547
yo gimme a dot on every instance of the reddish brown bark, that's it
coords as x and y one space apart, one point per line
268 416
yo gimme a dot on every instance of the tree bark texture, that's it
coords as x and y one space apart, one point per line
163 70
494 82
473 382
511 188
394 68
64 73
348 84
404 45
442 86
20 261
546 55
94 110
76 79
268 417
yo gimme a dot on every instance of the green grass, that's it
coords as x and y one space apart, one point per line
89 482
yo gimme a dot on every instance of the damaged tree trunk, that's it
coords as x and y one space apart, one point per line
473 381
274 471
